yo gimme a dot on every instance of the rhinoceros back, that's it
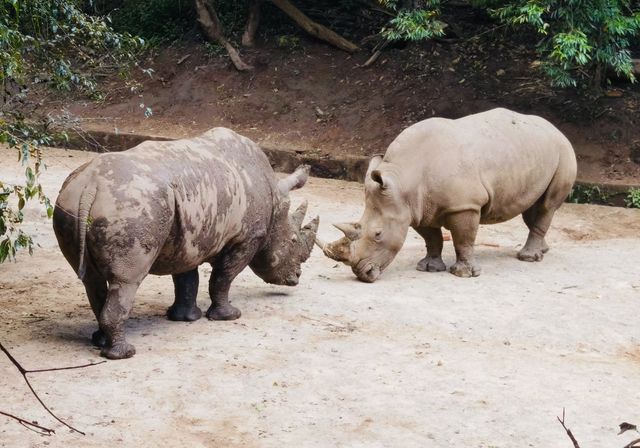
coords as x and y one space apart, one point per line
498 162
179 202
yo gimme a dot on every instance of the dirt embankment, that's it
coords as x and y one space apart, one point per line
314 99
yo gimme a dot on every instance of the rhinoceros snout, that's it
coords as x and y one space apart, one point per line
293 280
368 274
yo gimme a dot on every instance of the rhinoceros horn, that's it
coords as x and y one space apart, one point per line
297 217
309 232
339 250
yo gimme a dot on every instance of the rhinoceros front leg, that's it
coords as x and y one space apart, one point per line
112 318
184 307
433 240
464 227
226 267
538 220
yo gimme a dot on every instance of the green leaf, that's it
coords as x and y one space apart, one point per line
31 177
5 246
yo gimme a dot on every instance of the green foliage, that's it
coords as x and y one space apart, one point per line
156 20
56 39
214 49
232 15
581 39
414 24
585 194
633 198
28 140
289 42
50 41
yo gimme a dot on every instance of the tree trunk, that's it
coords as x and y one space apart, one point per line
248 38
313 28
636 66
212 28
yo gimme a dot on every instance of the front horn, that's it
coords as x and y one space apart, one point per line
297 217
338 250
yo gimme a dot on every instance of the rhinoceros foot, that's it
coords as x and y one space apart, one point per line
178 313
465 269
431 264
223 312
99 339
533 252
119 351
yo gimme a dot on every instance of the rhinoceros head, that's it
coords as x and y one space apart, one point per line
370 245
289 243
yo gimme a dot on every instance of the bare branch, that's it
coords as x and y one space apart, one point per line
24 373
208 19
30 425
568 431
313 28
633 444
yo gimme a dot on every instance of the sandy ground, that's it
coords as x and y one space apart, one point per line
414 360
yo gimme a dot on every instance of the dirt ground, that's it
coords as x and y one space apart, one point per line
310 97
414 360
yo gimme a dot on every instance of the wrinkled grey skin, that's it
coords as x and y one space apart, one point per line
167 207
480 169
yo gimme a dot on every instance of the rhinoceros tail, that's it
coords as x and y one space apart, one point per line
86 201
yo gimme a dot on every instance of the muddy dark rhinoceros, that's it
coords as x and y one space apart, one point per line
167 207
480 169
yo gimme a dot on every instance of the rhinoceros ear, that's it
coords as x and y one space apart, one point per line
295 180
380 179
373 164
352 230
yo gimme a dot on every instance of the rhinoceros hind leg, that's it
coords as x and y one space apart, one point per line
96 288
112 318
464 227
433 241
184 307
538 219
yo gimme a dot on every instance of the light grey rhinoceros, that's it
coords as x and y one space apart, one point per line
480 169
167 207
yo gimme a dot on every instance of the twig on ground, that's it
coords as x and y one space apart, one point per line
33 426
24 373
633 444
568 431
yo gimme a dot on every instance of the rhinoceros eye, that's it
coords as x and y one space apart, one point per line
378 235
294 238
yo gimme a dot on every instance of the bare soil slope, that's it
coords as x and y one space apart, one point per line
310 97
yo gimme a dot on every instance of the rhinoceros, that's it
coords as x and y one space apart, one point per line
167 207
480 169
